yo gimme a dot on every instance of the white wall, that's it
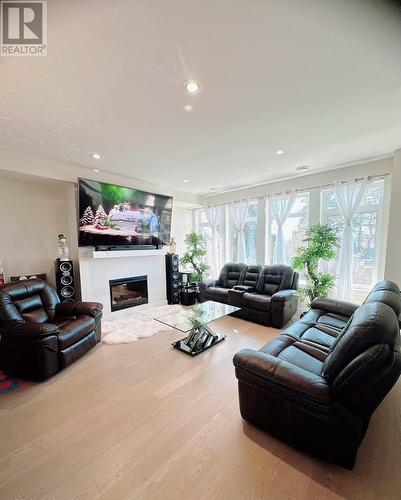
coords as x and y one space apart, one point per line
181 225
35 210
33 213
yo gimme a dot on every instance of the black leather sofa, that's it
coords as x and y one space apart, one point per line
40 336
317 384
265 294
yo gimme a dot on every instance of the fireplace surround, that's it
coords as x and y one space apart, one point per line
128 292
96 269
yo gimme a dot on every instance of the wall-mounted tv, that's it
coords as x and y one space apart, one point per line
113 215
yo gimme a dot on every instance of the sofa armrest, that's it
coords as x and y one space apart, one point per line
76 308
284 295
31 330
269 372
341 307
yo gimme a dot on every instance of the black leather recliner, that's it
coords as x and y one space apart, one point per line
264 294
317 384
40 336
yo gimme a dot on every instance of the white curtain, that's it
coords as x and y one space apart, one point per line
349 196
280 206
239 213
213 215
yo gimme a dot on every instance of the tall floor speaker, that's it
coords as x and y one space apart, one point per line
172 278
65 282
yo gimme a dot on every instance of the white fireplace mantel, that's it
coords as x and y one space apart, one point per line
98 268
116 254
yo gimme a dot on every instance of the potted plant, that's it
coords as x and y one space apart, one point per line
194 255
322 242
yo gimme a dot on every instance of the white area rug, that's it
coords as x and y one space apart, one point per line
136 325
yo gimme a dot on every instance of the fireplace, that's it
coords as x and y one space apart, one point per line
128 292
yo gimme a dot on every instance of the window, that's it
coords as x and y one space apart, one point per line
250 231
294 228
365 226
202 226
309 207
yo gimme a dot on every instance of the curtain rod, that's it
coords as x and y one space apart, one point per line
301 190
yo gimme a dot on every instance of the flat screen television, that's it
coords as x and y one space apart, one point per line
113 215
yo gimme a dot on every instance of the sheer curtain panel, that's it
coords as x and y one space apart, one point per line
349 195
239 212
280 206
213 215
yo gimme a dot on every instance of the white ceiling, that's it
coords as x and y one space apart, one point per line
321 79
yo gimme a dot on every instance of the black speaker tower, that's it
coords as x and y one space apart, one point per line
173 278
65 282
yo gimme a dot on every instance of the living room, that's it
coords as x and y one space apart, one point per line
199 262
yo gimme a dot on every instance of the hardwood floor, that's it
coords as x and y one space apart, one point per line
144 421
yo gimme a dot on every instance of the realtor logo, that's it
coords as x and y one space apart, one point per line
23 28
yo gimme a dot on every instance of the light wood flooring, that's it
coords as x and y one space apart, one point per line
144 421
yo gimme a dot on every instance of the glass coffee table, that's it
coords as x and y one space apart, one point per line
194 321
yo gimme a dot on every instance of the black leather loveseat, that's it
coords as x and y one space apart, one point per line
40 336
317 384
265 294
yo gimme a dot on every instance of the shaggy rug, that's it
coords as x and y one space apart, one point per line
136 325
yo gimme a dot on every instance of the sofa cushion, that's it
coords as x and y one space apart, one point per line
27 300
297 353
388 297
74 329
251 276
385 285
218 294
256 301
274 278
316 329
231 274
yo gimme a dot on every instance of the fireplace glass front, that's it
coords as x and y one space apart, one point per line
128 292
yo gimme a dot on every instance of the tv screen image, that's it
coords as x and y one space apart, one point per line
117 215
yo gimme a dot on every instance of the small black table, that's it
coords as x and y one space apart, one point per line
188 296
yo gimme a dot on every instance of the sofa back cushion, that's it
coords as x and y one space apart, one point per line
371 325
231 275
28 300
275 278
386 292
250 276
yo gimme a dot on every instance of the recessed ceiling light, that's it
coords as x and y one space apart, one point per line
302 168
192 87
186 180
96 156
96 170
188 108
280 152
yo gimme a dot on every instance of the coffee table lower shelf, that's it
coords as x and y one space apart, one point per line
198 341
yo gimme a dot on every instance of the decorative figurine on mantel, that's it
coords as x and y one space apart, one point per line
63 252
173 246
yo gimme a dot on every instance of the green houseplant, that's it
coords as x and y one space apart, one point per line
321 243
194 255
